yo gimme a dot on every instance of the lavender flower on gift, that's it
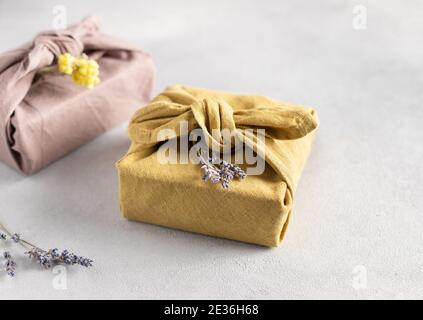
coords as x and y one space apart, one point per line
10 264
237 171
211 173
224 172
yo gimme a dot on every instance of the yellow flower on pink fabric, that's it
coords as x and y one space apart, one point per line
65 63
84 71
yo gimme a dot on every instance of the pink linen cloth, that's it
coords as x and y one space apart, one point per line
44 115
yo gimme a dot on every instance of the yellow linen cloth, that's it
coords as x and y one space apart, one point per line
256 209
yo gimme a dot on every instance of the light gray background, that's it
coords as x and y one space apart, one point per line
359 202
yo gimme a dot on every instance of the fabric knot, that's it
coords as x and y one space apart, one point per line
58 44
213 116
214 112
68 40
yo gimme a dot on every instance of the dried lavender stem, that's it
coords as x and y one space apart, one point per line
5 229
47 258
224 172
30 244
26 244
202 160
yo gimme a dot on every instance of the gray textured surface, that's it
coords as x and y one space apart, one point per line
359 202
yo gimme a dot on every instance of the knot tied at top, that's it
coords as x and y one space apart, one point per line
213 116
63 41
214 111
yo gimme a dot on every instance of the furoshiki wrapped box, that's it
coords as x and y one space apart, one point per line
44 114
255 209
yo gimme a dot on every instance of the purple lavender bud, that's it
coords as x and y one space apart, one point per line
85 262
16 237
10 264
55 253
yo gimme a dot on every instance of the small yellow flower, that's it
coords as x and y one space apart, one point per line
85 72
65 63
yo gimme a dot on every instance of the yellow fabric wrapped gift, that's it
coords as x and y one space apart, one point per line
256 209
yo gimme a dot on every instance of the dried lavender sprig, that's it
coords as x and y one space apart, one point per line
47 258
17 238
237 171
10 264
225 172
52 257
211 172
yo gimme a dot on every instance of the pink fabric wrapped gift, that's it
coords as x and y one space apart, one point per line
44 115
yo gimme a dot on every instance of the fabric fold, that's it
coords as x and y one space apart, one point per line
43 115
210 111
256 209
